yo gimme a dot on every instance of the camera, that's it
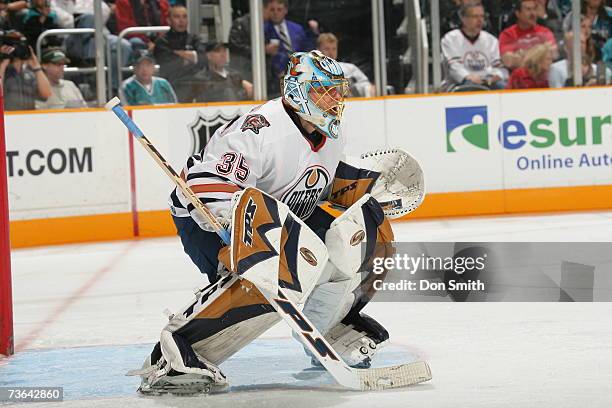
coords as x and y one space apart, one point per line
16 40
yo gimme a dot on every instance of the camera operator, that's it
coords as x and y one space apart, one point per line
22 76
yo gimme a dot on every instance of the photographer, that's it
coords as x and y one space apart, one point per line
22 76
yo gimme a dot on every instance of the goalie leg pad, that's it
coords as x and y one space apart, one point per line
273 248
334 309
270 246
362 223
330 302
223 318
349 281
357 236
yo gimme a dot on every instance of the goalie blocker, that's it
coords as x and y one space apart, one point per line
273 248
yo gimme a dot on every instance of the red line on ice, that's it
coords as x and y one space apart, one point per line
71 299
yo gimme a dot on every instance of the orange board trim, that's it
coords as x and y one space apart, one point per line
108 227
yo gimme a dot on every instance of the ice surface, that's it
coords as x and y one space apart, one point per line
265 364
84 314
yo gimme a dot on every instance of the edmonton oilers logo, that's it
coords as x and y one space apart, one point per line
303 196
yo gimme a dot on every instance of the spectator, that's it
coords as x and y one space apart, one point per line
561 72
40 18
515 40
451 17
471 54
180 55
548 14
23 79
141 13
240 43
533 73
219 83
284 37
564 6
143 88
5 22
64 9
82 47
111 24
360 85
64 94
17 9
600 18
607 53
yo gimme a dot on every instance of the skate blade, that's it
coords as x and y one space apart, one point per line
184 390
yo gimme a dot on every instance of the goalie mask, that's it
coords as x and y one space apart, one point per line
315 88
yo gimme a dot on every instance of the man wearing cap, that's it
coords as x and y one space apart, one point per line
64 94
218 82
143 88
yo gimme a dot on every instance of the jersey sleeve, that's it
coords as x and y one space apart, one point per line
496 62
126 94
231 161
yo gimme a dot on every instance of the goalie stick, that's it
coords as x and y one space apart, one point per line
358 379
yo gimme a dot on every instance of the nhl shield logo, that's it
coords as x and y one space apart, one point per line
204 127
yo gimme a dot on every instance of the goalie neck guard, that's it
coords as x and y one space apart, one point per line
315 88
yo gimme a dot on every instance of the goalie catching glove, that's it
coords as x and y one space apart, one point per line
400 188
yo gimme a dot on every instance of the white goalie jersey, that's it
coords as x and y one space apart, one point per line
478 56
263 148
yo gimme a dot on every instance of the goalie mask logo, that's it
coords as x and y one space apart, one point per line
303 196
254 123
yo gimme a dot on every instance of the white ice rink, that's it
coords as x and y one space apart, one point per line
85 314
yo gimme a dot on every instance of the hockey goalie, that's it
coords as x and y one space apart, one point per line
300 219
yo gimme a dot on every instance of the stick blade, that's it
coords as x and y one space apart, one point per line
402 375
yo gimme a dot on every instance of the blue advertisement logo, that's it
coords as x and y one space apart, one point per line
470 123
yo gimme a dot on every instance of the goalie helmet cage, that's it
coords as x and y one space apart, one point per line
6 298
